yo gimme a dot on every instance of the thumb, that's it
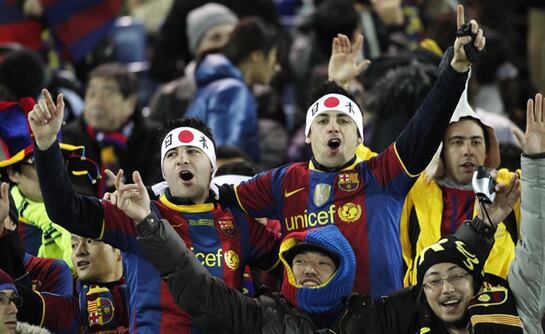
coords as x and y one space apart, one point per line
519 136
362 67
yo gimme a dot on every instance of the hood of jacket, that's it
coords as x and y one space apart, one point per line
215 67
329 296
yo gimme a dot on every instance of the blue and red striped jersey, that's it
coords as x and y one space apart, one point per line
49 275
364 200
223 240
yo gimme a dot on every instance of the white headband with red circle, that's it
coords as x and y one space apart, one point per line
335 102
185 136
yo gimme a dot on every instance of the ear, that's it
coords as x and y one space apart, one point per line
307 139
256 56
360 140
130 104
14 175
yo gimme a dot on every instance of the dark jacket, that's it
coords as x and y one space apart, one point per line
218 309
141 155
226 104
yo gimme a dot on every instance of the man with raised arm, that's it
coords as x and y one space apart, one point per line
362 198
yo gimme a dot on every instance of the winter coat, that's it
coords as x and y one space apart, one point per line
226 104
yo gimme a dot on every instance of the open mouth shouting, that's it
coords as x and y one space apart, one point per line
186 175
333 144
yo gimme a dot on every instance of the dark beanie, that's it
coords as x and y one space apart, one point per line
23 72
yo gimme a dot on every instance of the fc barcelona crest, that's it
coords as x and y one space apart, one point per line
99 307
349 181
321 194
227 227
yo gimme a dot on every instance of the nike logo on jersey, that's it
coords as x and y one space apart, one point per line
290 193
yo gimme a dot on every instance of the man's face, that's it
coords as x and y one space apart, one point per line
333 138
8 312
312 269
27 181
464 149
267 66
188 172
448 289
106 109
95 261
215 37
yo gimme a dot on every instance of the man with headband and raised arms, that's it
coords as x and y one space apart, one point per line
222 238
362 198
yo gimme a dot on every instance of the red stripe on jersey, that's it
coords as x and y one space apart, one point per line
232 258
295 193
386 166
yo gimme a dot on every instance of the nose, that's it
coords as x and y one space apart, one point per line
310 270
80 250
332 126
183 158
468 149
447 287
12 308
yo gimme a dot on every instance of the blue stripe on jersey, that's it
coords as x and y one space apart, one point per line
206 243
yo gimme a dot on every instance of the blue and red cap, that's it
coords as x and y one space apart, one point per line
6 282
331 294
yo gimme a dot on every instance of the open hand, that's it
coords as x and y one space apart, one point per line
533 140
342 67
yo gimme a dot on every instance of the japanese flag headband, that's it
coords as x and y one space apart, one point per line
185 136
335 102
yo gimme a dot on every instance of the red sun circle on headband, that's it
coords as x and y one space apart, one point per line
185 136
331 102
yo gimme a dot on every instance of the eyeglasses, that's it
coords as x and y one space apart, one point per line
455 280
5 300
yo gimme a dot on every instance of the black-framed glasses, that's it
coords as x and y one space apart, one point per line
455 280
5 300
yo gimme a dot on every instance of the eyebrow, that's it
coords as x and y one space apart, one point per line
464 137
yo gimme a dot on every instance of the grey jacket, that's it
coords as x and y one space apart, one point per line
527 272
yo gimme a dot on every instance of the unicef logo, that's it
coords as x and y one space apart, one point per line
349 212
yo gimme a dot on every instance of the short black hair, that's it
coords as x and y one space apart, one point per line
334 17
126 80
250 34
231 152
190 122
328 87
244 168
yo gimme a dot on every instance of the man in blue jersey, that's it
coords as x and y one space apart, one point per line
362 198
222 238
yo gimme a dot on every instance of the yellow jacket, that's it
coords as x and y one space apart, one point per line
425 203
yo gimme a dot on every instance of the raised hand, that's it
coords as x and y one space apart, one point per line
533 141
507 196
460 62
46 119
4 205
132 199
342 67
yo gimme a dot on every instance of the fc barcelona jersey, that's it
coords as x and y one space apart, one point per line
364 200
221 239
